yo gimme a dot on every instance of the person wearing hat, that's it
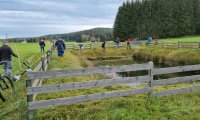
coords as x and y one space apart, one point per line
5 56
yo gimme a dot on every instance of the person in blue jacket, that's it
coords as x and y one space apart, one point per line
149 39
60 45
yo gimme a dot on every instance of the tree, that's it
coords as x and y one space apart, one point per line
165 18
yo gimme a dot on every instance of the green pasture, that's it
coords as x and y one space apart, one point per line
183 106
182 39
15 107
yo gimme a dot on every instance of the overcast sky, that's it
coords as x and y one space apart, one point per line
23 18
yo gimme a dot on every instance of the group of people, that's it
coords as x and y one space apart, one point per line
129 41
59 44
6 52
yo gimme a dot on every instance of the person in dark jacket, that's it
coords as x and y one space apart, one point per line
5 56
103 45
60 45
42 45
117 40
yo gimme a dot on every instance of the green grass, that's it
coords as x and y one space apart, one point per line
15 107
183 106
168 56
182 39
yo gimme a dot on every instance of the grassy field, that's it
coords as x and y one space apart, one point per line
15 107
182 39
183 106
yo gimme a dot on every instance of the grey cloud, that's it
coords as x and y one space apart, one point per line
27 17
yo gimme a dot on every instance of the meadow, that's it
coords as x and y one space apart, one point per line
15 107
182 106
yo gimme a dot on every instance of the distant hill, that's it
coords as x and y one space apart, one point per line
98 34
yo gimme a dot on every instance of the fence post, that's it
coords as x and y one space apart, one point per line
43 66
48 58
30 99
150 84
51 52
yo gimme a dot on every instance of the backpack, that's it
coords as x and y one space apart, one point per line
60 47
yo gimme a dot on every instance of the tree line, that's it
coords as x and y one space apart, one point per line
163 18
96 34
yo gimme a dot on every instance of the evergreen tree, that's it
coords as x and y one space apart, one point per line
164 18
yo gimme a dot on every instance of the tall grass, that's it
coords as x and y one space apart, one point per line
168 55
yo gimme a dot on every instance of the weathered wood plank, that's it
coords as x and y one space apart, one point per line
177 91
84 98
176 80
38 68
159 71
77 72
82 85
39 59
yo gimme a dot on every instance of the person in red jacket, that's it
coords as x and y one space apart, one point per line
128 43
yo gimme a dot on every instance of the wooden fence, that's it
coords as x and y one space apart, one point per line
180 44
162 44
42 64
32 90
77 47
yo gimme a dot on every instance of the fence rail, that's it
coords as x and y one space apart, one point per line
81 85
162 44
32 90
84 98
42 66
78 72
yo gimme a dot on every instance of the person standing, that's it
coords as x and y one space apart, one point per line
81 47
60 45
42 45
103 45
5 56
149 39
117 40
128 43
